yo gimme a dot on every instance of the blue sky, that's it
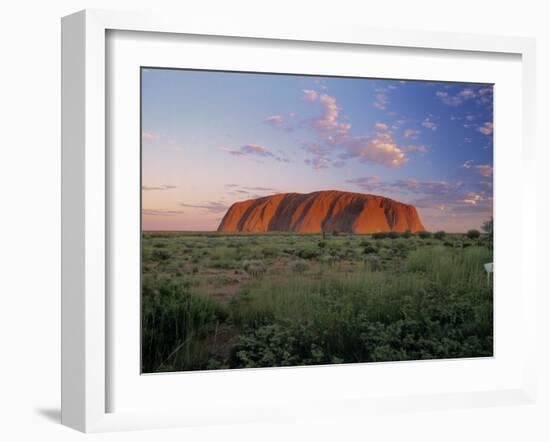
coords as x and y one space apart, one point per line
212 138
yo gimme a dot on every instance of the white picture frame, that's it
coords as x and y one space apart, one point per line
86 207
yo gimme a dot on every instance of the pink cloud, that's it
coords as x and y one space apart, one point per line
161 212
456 99
411 133
310 95
486 129
329 120
381 149
428 123
256 149
381 101
275 120
473 199
147 136
161 187
485 170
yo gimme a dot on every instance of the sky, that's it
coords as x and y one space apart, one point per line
212 138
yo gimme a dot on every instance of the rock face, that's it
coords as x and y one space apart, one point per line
326 211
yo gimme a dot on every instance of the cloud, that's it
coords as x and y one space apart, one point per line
415 148
275 120
161 187
485 170
262 189
161 212
458 98
248 189
411 186
238 192
487 184
335 144
428 123
486 129
381 101
212 206
411 134
440 195
323 162
380 149
310 95
281 122
329 121
485 96
147 136
473 198
236 153
321 155
255 150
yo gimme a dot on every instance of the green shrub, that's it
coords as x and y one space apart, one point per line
269 252
254 267
161 255
473 234
440 234
173 321
373 262
423 234
308 253
393 235
406 234
299 266
370 249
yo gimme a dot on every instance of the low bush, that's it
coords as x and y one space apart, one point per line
161 255
298 266
254 267
373 262
308 253
173 322
369 249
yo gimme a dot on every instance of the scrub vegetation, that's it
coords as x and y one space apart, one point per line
219 301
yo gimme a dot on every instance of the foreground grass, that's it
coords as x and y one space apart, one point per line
235 301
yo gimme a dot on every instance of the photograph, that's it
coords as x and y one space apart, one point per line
296 220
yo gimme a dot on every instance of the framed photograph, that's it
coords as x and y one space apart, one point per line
264 223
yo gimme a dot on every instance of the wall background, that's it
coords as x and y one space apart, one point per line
30 215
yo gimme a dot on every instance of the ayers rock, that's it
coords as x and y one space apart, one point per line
327 211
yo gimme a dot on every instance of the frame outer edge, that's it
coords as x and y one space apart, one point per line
530 289
73 80
83 331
